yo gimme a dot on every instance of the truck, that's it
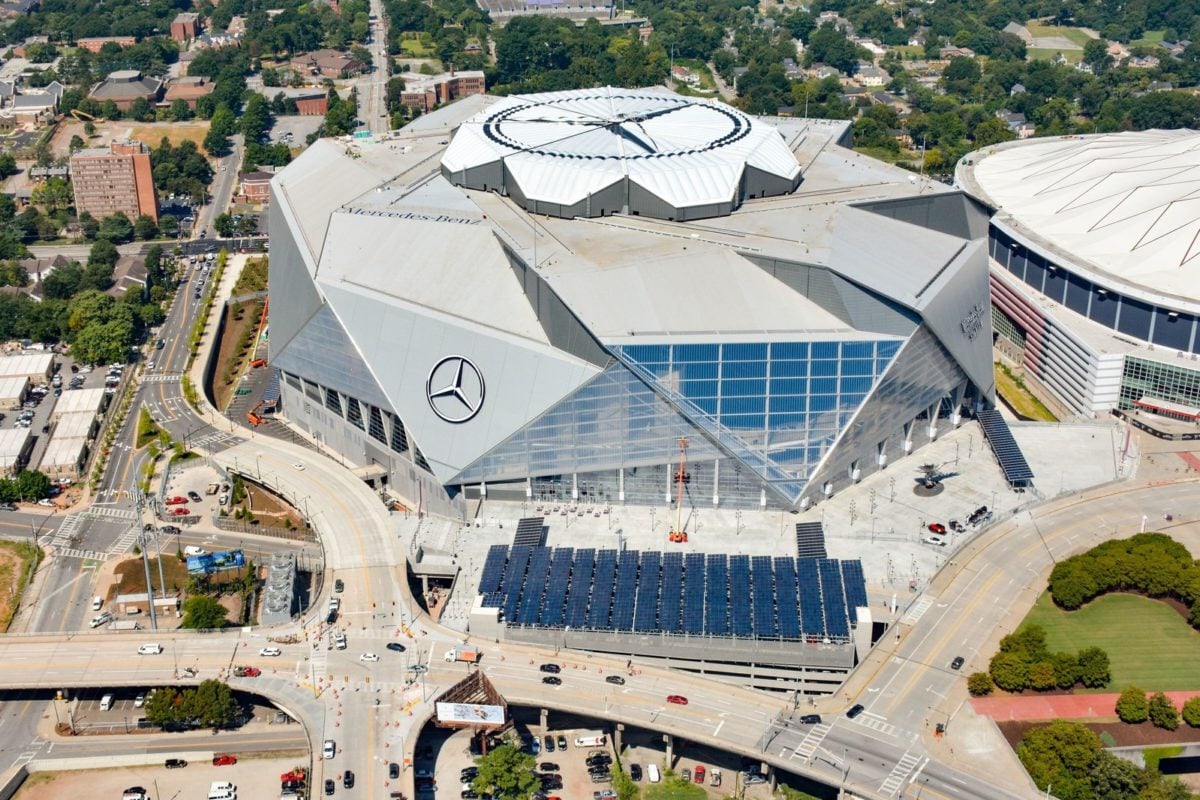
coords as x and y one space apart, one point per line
590 739
463 653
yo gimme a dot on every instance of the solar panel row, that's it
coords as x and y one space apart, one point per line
674 593
1012 460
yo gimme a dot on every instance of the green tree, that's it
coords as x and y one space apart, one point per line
77 143
1113 777
1041 676
1163 713
116 228
89 129
1095 55
180 111
104 252
144 227
168 225
53 195
991 131
8 165
506 773
211 704
1191 712
1093 668
1066 670
1061 755
63 282
979 684
223 224
624 786
202 612
1132 706
1010 671
32 485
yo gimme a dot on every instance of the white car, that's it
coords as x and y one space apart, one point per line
298 467
193 550
149 365
933 538
339 641
270 651
369 657
150 649
45 501
330 749
139 701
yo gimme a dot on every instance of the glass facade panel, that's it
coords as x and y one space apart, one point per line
1143 378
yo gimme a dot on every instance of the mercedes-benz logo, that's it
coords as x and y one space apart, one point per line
455 389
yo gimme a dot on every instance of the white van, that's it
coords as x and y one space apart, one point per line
106 702
150 649
652 773
97 603
222 790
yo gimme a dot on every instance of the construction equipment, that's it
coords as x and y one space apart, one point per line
253 417
80 115
463 653
678 534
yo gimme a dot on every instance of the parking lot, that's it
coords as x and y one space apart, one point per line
254 778
299 126
444 755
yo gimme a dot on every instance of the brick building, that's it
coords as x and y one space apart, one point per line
426 92
114 178
185 26
93 43
188 89
256 186
125 86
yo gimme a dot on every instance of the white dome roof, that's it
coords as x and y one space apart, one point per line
563 147
1123 204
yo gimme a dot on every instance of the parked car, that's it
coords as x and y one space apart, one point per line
552 680
194 497
635 772
934 539
554 668
562 742
180 511
174 763
348 777
270 652
548 743
937 527
395 647
224 760
330 787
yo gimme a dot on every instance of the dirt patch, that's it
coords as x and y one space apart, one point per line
254 777
237 341
176 132
268 509
150 133
1143 735
131 576
15 559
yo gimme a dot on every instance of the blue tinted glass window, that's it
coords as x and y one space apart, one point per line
825 350
858 349
824 385
857 366
782 386
744 369
887 349
706 404
784 404
743 422
789 369
743 405
822 402
653 353
858 386
694 389
699 370
696 352
789 351
792 422
824 368
744 352
743 388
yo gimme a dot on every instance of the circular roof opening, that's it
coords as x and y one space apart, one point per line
640 151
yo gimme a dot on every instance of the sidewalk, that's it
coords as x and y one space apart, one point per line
1058 706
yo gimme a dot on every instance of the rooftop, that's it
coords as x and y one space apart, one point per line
1120 206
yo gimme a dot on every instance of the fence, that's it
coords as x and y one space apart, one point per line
296 534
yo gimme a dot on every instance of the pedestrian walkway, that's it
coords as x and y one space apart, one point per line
1058 706
126 542
104 512
804 751
86 555
895 779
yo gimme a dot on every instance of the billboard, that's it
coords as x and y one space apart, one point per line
215 562
469 714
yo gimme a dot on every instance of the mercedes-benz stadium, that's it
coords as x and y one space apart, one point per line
613 295
1096 276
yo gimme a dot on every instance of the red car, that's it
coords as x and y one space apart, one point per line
224 760
180 511
677 699
937 527
175 501
698 774
247 672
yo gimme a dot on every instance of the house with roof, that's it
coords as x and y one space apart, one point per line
822 71
1020 31
189 89
327 63
682 73
256 187
17 8
126 86
870 76
93 44
32 105
1016 122
1017 88
901 106
312 101
1143 62
948 53
128 273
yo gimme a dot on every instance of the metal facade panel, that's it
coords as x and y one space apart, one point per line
324 354
521 378
294 298
958 312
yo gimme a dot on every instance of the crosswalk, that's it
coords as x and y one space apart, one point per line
86 555
99 512
160 377
216 437
918 609
126 542
812 741
877 723
895 779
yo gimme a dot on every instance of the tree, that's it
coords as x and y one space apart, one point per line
1095 55
1066 670
53 195
201 612
1113 777
1191 712
89 129
179 110
103 252
144 227
63 282
168 225
1061 755
223 225
216 143
211 704
8 165
1010 671
1041 676
979 684
116 228
1163 713
32 485
1093 667
1132 706
506 773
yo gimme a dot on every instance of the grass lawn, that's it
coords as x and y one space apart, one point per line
175 132
909 52
1149 39
674 789
1148 644
16 558
1048 54
131 575
1074 34
1020 398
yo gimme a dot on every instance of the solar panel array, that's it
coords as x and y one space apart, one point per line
1012 461
652 592
810 540
531 531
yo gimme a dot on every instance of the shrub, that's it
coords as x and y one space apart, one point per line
1093 667
1132 706
1191 712
979 684
1066 670
1163 713
1041 676
1009 671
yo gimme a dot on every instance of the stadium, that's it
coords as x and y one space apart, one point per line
1095 274
622 296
